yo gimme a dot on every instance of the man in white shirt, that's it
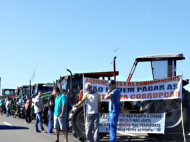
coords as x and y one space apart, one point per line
92 113
38 108
7 103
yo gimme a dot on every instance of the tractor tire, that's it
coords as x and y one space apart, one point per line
13 113
77 122
22 112
173 122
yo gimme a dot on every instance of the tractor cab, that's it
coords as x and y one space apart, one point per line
161 66
75 81
8 93
23 90
44 87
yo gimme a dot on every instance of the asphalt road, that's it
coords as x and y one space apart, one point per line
15 130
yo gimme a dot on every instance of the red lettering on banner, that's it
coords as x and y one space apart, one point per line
155 95
177 94
124 97
160 95
131 84
166 95
172 94
178 78
149 96
88 80
138 96
137 83
162 80
132 96
125 83
143 96
119 84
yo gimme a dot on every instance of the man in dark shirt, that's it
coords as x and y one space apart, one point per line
51 105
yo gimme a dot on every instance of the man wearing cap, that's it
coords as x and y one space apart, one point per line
114 108
92 113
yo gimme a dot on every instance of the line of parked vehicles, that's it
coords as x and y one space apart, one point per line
161 66
23 91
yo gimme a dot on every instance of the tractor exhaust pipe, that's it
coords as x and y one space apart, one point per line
30 88
71 85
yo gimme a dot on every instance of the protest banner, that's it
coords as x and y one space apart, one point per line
136 123
168 88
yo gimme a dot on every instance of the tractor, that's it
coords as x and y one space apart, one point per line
162 66
46 89
19 91
10 93
71 85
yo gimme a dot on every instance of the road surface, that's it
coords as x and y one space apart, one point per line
15 130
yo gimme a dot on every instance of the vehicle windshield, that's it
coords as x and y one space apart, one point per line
64 84
163 69
43 89
76 82
9 93
24 91
143 72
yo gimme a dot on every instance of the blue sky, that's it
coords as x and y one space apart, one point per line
50 36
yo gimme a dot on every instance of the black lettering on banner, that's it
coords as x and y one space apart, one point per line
95 89
100 89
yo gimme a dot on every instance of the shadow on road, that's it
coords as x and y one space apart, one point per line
5 127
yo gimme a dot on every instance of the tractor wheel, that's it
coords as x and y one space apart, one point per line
13 113
173 120
22 112
77 122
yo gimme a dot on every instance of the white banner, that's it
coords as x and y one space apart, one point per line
136 123
168 88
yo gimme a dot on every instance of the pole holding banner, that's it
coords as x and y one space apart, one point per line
182 115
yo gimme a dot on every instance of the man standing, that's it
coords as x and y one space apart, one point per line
51 105
60 114
18 105
92 117
28 109
7 103
38 108
114 108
